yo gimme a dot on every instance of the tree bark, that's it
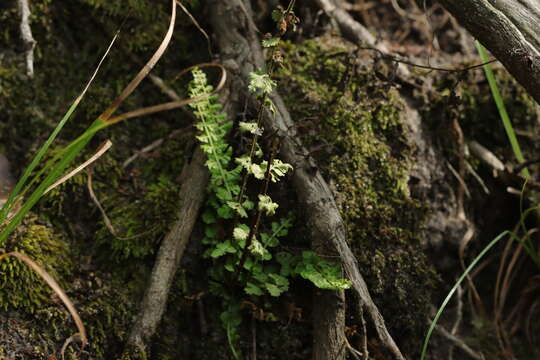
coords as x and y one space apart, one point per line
195 178
510 29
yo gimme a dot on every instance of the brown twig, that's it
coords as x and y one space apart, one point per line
459 343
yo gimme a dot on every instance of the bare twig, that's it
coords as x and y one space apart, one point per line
152 146
106 219
358 34
194 180
457 320
459 178
192 192
459 343
26 35
477 177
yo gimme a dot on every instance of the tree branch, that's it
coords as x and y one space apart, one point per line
510 29
192 191
26 35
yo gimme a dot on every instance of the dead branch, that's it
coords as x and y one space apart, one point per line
26 35
194 179
458 343
242 54
192 192
356 32
510 30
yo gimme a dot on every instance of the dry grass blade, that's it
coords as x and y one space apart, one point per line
507 272
145 70
106 219
196 23
81 335
174 104
101 150
534 309
81 95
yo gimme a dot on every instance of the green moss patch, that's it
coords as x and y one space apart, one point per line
350 121
20 286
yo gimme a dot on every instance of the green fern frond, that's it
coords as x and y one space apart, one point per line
214 128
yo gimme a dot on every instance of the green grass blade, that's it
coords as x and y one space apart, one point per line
35 161
502 109
456 285
43 149
51 177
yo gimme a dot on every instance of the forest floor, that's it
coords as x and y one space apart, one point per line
403 132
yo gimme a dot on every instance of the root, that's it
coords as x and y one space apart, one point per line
240 47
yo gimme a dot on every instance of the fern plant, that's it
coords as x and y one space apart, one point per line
245 257
249 259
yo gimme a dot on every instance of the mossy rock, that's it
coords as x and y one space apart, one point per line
350 119
21 288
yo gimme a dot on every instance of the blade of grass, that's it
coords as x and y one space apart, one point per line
502 109
60 162
63 158
455 287
51 177
56 288
103 148
43 149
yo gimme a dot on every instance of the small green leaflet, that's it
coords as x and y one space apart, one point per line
238 208
222 248
321 273
280 285
277 15
270 42
250 127
253 289
260 82
267 205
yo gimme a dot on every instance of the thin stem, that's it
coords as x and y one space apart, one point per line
257 218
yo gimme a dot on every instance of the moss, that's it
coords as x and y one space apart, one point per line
41 322
104 307
141 207
138 198
20 287
351 118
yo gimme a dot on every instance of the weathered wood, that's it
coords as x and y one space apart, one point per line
192 192
510 29
356 32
